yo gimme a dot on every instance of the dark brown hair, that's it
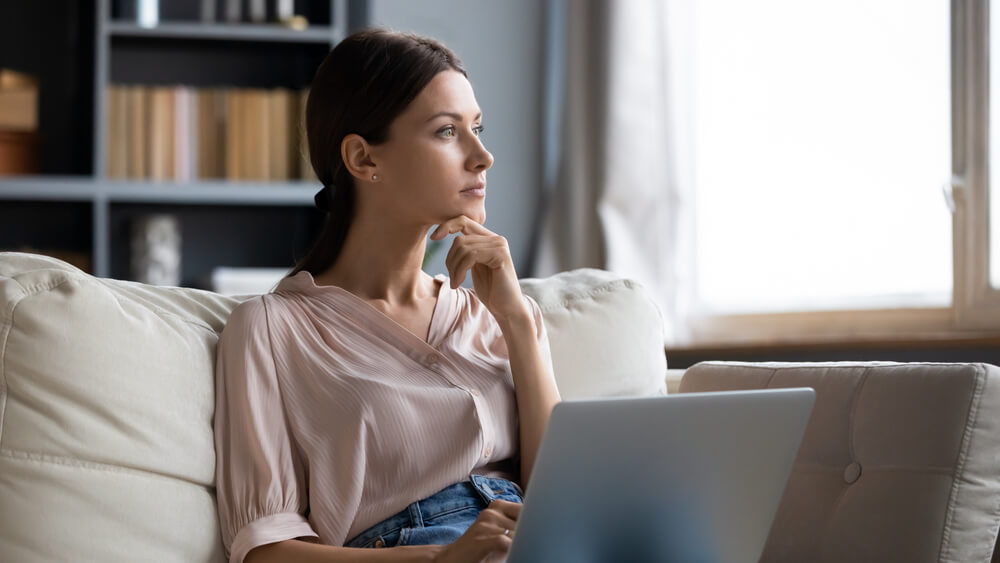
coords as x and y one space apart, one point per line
361 86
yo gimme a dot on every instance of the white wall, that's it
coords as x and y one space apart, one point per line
500 43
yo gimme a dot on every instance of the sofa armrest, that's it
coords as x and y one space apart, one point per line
673 380
899 461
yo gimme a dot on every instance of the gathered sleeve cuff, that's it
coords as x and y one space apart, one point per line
269 529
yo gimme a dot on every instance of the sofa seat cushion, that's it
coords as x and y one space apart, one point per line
106 404
898 462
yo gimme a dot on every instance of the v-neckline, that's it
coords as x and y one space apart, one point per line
433 334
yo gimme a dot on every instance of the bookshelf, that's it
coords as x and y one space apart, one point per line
266 223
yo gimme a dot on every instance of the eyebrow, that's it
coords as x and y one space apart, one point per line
452 115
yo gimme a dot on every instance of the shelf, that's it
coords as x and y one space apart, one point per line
211 192
245 32
35 188
205 192
232 222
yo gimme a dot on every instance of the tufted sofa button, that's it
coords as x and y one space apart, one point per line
852 472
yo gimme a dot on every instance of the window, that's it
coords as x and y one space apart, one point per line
822 136
994 141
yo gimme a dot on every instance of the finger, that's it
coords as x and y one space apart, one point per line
463 257
501 543
462 268
441 231
460 224
509 509
454 255
473 227
482 247
506 531
491 250
460 247
450 226
493 522
462 262
494 543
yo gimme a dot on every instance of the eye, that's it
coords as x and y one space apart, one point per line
479 130
448 131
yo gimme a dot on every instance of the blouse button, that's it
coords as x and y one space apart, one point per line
488 451
431 361
476 393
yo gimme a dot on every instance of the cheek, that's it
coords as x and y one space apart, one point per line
430 162
412 159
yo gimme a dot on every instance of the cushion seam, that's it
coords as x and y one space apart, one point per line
37 288
855 399
75 463
770 379
991 545
8 322
852 445
970 421
156 310
835 365
577 296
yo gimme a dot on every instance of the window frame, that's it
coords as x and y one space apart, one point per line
976 302
975 308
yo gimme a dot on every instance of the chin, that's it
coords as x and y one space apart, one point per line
476 212
478 215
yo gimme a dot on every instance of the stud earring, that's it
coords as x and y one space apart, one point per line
374 178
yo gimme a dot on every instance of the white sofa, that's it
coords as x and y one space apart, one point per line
106 404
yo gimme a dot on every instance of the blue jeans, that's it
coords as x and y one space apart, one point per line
440 518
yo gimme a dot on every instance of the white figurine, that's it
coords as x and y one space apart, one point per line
156 250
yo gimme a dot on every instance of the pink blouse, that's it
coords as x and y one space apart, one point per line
331 417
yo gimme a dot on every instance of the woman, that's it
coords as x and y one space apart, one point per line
364 403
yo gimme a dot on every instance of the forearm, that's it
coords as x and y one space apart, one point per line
306 552
534 387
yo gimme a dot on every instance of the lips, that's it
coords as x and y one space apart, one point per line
475 190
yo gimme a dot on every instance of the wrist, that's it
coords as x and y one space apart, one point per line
422 553
520 322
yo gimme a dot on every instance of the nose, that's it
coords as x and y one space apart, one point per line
480 159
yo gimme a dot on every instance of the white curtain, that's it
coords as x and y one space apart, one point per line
620 195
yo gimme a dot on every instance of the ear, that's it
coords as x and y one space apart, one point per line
357 155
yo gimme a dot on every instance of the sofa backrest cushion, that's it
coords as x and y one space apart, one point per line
898 463
106 449
107 398
605 333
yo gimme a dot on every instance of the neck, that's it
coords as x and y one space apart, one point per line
381 261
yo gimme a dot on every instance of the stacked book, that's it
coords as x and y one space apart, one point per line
19 139
184 134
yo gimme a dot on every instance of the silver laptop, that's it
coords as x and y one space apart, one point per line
693 478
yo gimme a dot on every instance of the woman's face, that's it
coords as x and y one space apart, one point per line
433 165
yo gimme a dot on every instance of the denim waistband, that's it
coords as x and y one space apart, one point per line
477 490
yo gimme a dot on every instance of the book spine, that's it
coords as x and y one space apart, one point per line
117 126
234 133
306 169
137 100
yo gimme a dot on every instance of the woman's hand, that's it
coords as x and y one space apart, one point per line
485 540
486 254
